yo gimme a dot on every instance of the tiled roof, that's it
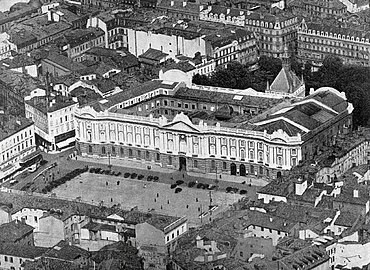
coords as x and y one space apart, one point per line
64 251
92 226
277 187
23 251
65 62
80 36
122 59
14 231
347 195
153 54
347 219
18 61
258 218
307 258
11 125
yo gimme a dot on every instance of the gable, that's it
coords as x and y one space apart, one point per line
181 126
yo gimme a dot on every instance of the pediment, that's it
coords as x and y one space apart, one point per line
181 126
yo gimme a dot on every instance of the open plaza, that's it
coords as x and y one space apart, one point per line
147 196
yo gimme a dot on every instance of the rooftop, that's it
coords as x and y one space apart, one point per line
347 219
80 36
14 231
23 251
64 251
11 125
153 54
65 62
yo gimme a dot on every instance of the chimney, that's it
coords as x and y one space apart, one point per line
172 3
355 193
184 4
199 242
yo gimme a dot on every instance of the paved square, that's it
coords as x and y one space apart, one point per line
190 202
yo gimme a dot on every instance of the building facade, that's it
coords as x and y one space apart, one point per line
273 32
160 135
17 141
317 40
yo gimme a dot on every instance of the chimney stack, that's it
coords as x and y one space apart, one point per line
355 193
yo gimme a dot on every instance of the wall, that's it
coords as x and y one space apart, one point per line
147 235
359 254
51 231
31 216
257 231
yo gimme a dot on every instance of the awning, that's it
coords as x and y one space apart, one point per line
30 156
66 143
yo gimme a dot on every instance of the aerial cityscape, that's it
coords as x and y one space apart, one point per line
185 134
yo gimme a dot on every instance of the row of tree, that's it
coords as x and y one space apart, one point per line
353 80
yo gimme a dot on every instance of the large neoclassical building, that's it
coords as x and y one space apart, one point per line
173 123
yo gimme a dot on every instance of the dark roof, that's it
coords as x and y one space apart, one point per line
80 36
347 195
23 251
347 219
92 226
227 36
306 258
122 59
65 62
14 231
153 54
11 125
64 251
18 61
277 187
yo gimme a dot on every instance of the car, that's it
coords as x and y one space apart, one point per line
140 176
228 189
177 190
107 172
199 185
155 178
149 178
179 182
173 186
118 173
92 170
191 184
112 173
205 186
127 175
242 192
133 176
235 190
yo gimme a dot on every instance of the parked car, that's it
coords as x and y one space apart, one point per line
118 173
127 175
140 176
179 182
155 178
173 186
177 190
191 184
133 176
199 185
149 178
242 192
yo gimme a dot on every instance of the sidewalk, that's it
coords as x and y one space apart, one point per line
143 165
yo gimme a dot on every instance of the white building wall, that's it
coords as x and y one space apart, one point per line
17 146
140 41
257 231
31 216
352 254
175 233
6 46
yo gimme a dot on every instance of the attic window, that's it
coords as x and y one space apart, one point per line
237 97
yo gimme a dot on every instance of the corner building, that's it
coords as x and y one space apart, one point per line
199 134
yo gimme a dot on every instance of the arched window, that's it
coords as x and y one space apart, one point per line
224 150
90 149
103 150
251 154
113 151
130 153
121 151
213 164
